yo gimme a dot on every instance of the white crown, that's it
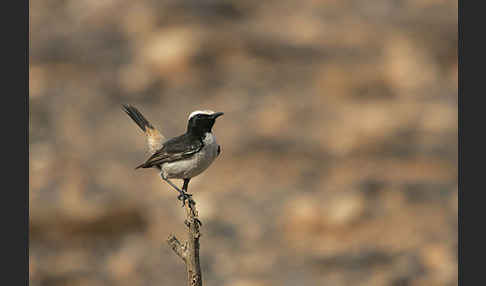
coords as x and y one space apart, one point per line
207 112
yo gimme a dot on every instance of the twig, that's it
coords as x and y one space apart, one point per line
189 250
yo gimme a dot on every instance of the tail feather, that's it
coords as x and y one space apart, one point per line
154 138
137 117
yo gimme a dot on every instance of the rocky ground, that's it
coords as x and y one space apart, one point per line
339 141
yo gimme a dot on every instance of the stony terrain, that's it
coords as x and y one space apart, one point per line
339 141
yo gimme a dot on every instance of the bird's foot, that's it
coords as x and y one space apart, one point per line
183 197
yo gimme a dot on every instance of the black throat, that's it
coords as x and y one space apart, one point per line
198 127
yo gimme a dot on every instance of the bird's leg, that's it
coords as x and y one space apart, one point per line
185 185
173 185
182 195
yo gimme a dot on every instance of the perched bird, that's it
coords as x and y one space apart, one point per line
182 157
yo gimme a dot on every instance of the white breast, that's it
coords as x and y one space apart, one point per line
195 165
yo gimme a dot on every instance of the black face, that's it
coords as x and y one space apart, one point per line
199 124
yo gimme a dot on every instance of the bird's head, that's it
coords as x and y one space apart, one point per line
202 121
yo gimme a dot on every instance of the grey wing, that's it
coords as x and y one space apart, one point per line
172 150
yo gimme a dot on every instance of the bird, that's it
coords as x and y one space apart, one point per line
184 156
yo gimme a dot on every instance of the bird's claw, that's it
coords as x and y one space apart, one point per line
183 197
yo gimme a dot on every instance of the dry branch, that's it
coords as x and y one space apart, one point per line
188 251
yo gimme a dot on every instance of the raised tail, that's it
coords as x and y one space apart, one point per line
136 116
154 137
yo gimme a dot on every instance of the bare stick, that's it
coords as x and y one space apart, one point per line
189 250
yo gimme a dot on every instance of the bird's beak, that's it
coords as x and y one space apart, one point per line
217 114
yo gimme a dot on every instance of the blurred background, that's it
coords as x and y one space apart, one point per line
339 141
